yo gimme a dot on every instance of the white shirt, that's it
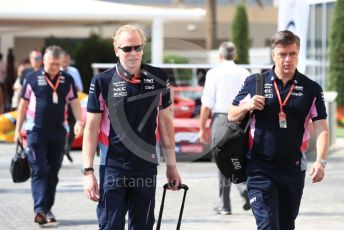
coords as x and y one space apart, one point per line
222 84
74 72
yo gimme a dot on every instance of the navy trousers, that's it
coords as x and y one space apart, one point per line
123 191
45 156
275 195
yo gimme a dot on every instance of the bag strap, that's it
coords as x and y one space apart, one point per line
19 148
260 81
20 145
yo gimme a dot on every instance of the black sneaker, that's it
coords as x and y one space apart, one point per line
40 219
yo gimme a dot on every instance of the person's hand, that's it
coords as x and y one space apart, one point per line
317 172
91 189
78 129
17 137
257 103
203 136
173 177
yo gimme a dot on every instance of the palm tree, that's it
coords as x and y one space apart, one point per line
211 22
211 25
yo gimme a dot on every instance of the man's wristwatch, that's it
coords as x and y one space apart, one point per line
322 162
85 170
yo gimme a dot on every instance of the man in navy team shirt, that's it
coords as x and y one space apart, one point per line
45 96
128 107
279 135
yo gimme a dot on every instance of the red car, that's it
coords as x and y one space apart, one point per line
186 124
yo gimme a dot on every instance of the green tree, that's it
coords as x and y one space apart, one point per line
179 76
240 35
68 44
336 53
93 50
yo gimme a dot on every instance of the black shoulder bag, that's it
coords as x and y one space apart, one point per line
20 167
230 150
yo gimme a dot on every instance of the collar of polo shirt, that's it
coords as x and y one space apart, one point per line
128 76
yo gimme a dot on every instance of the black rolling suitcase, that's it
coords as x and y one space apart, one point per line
182 186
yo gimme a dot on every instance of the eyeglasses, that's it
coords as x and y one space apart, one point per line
38 58
128 49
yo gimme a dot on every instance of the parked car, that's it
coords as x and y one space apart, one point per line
186 124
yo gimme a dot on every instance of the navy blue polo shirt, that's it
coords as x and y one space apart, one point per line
130 107
43 115
268 141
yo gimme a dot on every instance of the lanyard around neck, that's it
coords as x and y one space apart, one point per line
133 80
279 95
54 87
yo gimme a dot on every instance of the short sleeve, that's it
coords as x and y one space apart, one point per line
209 91
27 91
244 91
73 93
165 92
95 102
318 109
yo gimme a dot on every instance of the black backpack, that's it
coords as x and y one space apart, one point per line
230 150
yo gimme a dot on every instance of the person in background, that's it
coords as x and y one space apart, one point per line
279 135
45 96
25 64
36 62
127 105
74 72
221 85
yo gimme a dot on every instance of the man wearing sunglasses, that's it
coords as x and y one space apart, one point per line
127 106
36 62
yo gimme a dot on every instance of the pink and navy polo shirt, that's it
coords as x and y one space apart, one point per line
284 146
43 115
130 107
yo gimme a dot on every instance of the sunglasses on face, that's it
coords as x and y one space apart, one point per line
128 49
38 58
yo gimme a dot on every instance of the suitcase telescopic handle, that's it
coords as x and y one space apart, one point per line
181 186
166 186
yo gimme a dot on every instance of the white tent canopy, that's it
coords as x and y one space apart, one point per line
23 15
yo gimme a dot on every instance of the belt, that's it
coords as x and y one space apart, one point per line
220 114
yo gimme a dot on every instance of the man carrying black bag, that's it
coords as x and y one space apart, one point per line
279 135
221 85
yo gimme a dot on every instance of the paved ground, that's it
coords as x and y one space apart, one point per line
322 205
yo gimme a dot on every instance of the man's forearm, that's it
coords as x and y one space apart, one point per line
76 109
237 113
166 131
322 139
89 147
205 113
22 107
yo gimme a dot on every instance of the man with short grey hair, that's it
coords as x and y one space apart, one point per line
221 86
43 103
